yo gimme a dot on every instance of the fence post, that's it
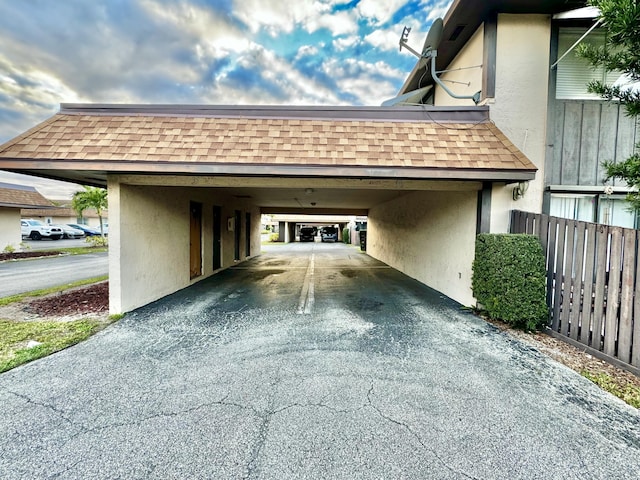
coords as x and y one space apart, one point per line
559 274
602 240
568 281
625 330
589 279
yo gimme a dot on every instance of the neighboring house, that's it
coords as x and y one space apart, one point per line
13 199
63 215
188 184
508 51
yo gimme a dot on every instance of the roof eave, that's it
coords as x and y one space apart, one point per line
25 205
96 173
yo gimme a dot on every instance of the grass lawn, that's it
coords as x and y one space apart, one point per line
22 342
81 250
47 291
628 393
51 337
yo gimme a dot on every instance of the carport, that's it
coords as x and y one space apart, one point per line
187 184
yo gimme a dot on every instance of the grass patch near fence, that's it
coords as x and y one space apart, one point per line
628 393
46 337
46 291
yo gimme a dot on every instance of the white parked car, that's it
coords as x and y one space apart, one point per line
70 232
36 230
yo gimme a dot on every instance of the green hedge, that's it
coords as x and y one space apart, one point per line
509 279
346 235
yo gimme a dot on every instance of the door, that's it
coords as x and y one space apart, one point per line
247 234
236 234
195 240
217 237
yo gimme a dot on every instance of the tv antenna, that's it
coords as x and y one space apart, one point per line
430 52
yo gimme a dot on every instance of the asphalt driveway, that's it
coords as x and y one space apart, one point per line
311 361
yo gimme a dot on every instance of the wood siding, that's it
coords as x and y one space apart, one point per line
583 135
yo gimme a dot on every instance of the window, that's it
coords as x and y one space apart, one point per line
575 73
615 211
606 209
576 207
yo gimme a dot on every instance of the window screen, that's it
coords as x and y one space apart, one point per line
575 73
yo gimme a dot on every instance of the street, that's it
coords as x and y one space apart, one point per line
27 275
309 361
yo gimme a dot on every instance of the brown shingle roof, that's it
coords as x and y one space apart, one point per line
179 142
18 196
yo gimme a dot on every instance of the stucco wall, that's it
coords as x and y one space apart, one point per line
10 228
469 61
520 105
429 236
149 240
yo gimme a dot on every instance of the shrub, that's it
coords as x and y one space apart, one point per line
274 237
509 279
9 248
97 241
346 235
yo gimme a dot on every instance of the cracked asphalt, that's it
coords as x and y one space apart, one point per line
310 361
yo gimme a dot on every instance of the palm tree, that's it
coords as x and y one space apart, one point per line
90 197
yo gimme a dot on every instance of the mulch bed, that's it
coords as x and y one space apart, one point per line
91 299
20 255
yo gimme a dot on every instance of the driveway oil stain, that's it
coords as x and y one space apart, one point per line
258 275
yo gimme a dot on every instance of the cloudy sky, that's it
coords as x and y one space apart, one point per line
278 52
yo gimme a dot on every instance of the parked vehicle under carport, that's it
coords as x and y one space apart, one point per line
329 234
307 234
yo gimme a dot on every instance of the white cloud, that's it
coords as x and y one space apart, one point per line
199 23
340 23
344 43
28 95
277 16
378 12
270 70
437 9
370 83
306 51
384 39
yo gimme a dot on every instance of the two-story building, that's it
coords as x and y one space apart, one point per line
520 56
188 183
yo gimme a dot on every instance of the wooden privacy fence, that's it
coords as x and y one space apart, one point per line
593 283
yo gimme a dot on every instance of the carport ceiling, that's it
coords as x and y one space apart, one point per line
293 200
298 195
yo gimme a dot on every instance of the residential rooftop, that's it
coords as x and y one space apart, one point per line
83 143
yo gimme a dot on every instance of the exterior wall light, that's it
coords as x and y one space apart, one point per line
519 190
